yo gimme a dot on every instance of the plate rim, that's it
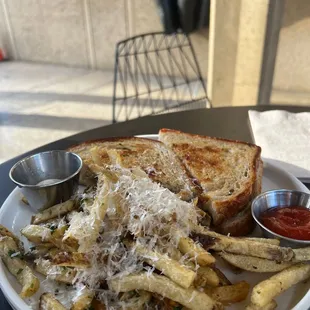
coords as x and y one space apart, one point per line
13 298
18 303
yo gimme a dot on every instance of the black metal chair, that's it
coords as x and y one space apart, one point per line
156 73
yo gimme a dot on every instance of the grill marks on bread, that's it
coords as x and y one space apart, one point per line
228 171
200 160
214 167
153 157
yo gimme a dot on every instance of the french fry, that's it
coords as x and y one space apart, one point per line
169 267
5 232
302 254
83 300
70 241
262 240
97 211
73 259
36 252
46 236
73 238
163 286
37 234
55 211
10 254
177 255
137 302
194 250
56 237
58 273
49 302
229 294
270 306
218 242
223 279
206 276
264 292
42 251
254 264
98 155
87 177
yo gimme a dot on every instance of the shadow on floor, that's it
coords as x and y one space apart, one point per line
56 97
52 122
149 99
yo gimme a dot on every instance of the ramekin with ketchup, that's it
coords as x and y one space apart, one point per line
285 215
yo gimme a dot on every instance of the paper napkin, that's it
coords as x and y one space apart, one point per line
285 138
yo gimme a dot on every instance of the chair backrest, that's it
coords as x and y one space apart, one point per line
156 73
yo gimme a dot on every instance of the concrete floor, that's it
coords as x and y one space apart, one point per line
43 103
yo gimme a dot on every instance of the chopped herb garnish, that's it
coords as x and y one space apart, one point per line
19 271
53 227
13 254
178 308
32 248
91 307
17 254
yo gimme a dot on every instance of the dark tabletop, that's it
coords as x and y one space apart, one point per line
230 123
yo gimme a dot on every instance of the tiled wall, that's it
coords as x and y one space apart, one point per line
80 33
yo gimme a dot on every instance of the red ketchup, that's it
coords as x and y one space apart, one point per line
292 222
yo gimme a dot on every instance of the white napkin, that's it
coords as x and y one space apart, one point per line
285 138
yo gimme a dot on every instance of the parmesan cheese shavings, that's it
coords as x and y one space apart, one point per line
135 209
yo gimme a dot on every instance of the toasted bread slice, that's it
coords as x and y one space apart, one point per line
229 172
152 156
242 223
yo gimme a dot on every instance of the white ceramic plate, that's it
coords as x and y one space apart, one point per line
15 215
